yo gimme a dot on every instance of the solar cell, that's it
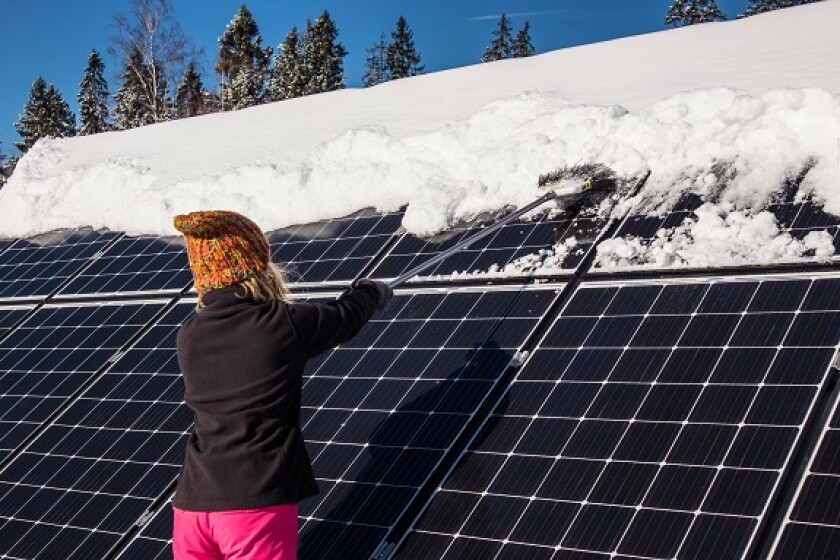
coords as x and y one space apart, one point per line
812 525
36 267
333 250
84 481
53 353
135 264
652 421
380 412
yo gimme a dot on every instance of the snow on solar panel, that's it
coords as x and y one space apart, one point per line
37 267
84 481
652 421
547 244
52 354
812 526
797 218
135 264
380 412
332 250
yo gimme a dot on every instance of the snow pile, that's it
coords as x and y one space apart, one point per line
716 237
736 146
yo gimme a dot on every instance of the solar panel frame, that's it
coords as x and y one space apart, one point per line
106 458
438 542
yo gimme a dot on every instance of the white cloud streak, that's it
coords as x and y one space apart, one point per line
519 15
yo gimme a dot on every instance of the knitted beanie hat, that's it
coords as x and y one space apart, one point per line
223 247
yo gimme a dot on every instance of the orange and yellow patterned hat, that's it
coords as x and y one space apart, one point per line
223 247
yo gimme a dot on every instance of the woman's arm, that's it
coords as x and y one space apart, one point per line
321 326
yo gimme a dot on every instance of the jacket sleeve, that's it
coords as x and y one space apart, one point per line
321 326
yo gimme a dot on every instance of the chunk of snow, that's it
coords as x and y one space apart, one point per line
716 237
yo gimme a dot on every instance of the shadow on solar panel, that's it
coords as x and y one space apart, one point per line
552 241
381 412
700 230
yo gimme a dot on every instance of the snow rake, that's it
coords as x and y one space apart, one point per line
572 184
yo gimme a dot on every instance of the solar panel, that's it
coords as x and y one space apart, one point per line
812 526
381 411
551 243
652 421
83 482
332 250
135 264
52 354
36 267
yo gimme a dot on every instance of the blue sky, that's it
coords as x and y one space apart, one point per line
52 38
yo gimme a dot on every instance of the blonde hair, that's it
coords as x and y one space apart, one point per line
264 285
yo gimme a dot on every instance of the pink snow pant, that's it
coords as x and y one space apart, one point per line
268 533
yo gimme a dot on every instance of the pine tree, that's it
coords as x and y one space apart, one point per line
762 6
93 98
242 63
402 59
376 63
522 45
288 78
3 176
45 114
502 46
323 57
691 12
133 108
190 97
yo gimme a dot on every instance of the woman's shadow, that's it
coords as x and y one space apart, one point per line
384 480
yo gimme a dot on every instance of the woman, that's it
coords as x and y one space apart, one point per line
242 357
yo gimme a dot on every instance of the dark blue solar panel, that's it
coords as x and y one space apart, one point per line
37 267
332 250
651 422
107 457
135 264
50 356
381 411
812 526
